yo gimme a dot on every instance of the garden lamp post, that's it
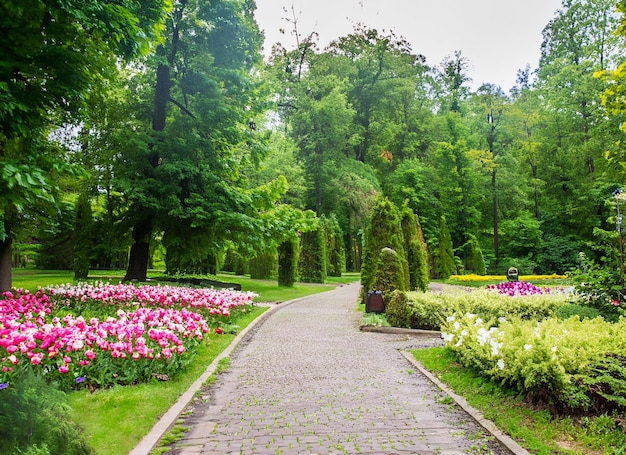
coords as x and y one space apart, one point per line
616 194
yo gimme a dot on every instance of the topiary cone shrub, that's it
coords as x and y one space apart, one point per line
383 231
389 274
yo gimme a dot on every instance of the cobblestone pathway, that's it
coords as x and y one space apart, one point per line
307 381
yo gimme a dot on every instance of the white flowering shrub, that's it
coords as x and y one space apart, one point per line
569 365
429 309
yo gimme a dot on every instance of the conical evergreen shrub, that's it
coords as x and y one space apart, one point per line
383 231
416 249
446 264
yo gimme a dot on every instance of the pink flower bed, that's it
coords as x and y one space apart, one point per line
151 331
517 288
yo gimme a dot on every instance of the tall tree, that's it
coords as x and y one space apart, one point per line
186 181
384 76
53 52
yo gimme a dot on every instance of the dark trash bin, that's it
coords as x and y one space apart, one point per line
512 274
374 302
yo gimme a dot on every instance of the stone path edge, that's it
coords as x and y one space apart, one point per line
167 420
487 424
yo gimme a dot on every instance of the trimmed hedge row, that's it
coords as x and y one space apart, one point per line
427 310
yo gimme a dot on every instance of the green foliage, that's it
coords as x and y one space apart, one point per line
384 231
446 265
570 365
35 419
429 309
571 309
535 429
264 266
397 309
288 263
335 246
417 251
474 261
83 237
600 288
312 257
56 251
389 274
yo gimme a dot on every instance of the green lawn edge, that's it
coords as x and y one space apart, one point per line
534 429
115 420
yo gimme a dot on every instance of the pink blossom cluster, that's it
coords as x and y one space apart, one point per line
214 302
157 334
517 288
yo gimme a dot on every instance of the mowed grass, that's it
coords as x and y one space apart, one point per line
533 428
115 420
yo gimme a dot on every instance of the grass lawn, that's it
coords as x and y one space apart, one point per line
116 419
534 429
268 290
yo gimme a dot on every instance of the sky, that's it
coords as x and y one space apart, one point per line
497 37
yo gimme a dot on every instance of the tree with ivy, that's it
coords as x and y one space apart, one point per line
384 231
446 264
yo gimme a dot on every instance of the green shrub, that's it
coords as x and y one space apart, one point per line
264 266
569 365
83 237
288 263
383 231
34 419
429 309
601 288
312 258
389 274
571 309
416 249
397 311
335 248
473 255
446 264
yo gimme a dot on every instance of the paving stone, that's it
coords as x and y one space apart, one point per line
308 381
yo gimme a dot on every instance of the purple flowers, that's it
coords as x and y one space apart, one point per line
517 288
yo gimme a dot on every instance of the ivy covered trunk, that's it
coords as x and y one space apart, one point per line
139 252
287 263
5 265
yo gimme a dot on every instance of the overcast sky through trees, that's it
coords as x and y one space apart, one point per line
498 37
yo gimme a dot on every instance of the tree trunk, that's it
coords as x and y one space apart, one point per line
495 218
5 265
139 252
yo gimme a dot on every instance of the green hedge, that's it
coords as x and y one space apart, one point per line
570 365
427 310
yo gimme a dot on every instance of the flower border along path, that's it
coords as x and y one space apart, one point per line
168 420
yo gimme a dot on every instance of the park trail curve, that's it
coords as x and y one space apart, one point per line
306 380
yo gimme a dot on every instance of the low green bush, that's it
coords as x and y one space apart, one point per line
34 420
429 309
571 309
568 365
397 310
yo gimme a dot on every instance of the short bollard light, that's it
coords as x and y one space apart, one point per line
374 302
